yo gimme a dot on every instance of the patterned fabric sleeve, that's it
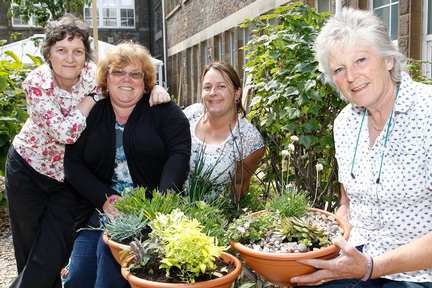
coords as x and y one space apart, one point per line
251 138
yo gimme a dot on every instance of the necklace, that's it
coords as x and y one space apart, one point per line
373 125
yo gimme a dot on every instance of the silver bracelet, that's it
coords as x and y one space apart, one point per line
369 268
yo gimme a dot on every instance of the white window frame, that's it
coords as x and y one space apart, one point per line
388 23
117 7
427 43
19 22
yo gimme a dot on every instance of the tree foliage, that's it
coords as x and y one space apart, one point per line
44 10
12 103
291 99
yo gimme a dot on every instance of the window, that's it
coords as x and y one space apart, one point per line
217 48
171 5
323 6
230 47
387 10
429 18
19 21
112 14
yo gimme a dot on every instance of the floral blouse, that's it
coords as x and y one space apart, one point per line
220 160
53 120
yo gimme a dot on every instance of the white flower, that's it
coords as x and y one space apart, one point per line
291 147
319 167
294 138
285 152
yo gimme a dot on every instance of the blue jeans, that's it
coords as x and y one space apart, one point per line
92 264
374 283
108 269
83 262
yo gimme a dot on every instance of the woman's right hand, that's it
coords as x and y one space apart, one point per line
109 209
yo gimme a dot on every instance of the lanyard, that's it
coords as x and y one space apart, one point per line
385 140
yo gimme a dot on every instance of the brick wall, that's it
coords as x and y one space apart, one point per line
196 15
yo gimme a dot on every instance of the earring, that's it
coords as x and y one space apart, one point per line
237 101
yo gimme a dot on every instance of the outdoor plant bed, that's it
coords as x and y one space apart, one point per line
274 256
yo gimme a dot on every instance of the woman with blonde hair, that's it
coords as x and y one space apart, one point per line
126 144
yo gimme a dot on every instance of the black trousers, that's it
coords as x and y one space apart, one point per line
42 213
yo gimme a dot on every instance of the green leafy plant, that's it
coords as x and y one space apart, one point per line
202 184
13 112
178 246
139 201
44 10
212 216
289 203
291 98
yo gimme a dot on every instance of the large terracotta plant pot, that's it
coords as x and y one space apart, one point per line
115 247
279 268
223 282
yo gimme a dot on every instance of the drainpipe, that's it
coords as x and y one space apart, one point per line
95 31
338 6
164 44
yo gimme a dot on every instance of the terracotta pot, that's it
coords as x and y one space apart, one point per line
115 247
279 268
223 282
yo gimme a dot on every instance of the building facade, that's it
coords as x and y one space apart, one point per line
118 20
188 34
201 31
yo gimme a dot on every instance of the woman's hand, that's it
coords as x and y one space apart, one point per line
159 96
109 209
350 264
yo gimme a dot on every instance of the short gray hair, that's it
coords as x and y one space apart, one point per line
350 27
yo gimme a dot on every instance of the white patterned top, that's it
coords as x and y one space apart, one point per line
397 210
221 158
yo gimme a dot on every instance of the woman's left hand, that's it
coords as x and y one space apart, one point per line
159 96
350 264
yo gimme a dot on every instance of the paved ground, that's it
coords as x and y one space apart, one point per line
7 260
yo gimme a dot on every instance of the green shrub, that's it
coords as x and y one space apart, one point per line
12 104
291 99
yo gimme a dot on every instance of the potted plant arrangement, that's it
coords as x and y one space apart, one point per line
137 209
179 254
271 241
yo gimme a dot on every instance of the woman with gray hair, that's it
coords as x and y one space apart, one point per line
383 145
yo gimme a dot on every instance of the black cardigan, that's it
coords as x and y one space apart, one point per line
157 144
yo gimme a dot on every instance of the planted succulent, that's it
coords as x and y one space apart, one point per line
306 230
285 226
125 227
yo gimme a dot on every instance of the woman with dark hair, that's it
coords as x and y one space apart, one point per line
43 208
224 143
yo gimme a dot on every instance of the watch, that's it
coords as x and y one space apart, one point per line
95 97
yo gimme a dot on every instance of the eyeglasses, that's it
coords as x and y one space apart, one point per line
121 73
